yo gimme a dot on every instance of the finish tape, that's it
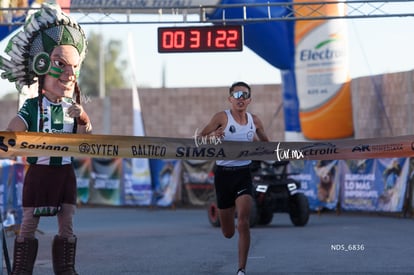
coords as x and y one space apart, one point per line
28 144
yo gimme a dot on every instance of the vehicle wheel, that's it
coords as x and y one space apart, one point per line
265 217
299 209
213 214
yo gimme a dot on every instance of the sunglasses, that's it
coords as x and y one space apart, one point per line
240 94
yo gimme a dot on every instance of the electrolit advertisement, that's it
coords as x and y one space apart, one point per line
322 73
312 56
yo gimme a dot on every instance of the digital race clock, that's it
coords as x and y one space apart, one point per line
200 39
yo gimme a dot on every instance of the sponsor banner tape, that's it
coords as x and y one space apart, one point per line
27 144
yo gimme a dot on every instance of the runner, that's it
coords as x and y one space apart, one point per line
232 179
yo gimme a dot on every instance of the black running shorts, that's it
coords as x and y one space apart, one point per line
231 182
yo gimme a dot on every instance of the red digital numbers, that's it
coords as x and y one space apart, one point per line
200 39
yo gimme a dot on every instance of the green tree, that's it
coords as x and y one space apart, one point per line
89 75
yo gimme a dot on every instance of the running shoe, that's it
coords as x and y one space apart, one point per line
241 271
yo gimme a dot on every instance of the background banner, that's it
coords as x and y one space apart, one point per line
320 181
197 181
106 175
12 176
166 179
83 175
137 185
375 185
378 185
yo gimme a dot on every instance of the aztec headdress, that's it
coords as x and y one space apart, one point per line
30 48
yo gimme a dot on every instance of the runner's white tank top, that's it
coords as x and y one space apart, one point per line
236 132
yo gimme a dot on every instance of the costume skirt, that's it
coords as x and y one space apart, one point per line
46 187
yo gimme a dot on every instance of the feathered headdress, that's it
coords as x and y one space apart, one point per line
30 48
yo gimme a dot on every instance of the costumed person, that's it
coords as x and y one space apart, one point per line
232 178
48 52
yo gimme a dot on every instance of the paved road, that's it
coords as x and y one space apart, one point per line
179 242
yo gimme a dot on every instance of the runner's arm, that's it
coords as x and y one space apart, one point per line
216 126
260 132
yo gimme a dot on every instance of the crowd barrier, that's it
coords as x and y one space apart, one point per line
379 185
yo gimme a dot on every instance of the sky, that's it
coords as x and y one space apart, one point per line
377 46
